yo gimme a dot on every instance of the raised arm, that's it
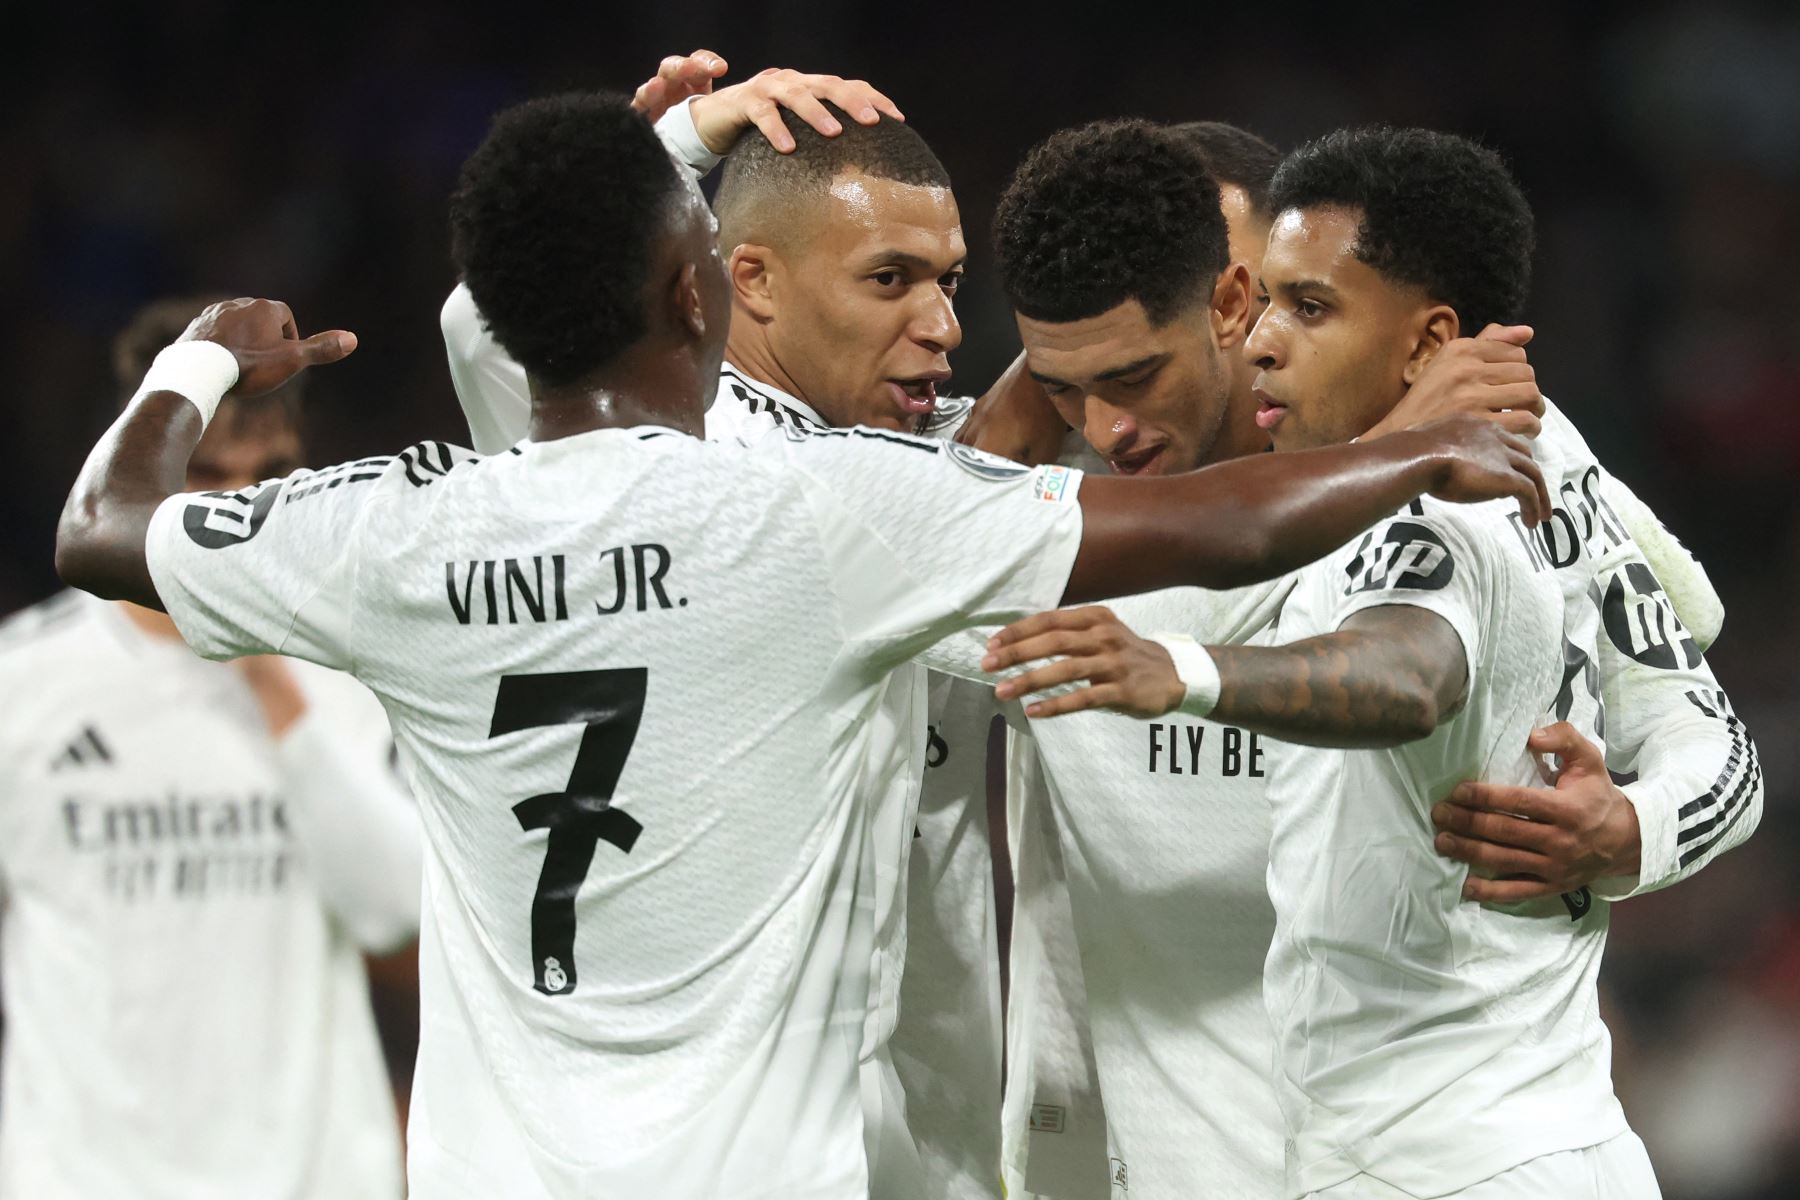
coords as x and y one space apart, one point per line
239 348
1255 518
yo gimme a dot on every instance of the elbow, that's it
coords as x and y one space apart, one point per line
1413 715
79 555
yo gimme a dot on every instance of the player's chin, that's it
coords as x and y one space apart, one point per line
886 416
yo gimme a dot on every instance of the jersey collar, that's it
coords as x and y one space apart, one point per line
737 387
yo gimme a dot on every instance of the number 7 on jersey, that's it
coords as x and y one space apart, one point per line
610 704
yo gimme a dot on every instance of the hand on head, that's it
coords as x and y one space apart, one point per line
720 118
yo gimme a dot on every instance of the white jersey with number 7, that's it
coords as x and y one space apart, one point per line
649 917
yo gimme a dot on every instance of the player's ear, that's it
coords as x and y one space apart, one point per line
753 269
1434 327
1231 306
687 303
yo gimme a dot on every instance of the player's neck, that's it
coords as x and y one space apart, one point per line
148 620
646 385
748 350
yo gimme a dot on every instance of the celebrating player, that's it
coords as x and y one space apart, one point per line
845 247
1427 1045
194 858
679 1012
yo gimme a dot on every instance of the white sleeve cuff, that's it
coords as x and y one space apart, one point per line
1196 670
681 139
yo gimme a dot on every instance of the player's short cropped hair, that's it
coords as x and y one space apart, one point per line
554 225
760 188
1102 214
160 322
1235 156
1439 212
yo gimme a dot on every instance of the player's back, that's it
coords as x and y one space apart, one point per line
632 675
612 711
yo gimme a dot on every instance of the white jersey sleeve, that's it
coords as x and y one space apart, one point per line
1695 778
1422 557
926 537
272 569
490 386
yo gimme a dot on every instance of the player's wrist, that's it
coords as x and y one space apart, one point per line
200 371
1196 671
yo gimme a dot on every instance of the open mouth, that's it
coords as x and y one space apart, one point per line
1139 462
916 397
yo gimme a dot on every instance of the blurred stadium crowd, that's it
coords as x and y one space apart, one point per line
196 147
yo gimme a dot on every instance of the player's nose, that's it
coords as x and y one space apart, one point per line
1263 346
1108 429
934 324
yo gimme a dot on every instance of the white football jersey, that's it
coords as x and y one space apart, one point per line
1164 832
185 1017
947 1044
1425 1041
581 642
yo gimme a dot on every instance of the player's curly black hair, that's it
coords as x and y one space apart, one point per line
1105 213
1235 155
553 225
1439 212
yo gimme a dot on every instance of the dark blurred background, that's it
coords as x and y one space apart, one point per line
305 153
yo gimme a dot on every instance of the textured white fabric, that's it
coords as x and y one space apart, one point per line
705 1000
1668 726
1055 1124
1616 1169
1163 829
186 1017
1425 1041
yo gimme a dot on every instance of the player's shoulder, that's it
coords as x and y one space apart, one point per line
948 417
1427 543
51 626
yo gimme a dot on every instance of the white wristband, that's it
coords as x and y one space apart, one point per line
1196 669
201 371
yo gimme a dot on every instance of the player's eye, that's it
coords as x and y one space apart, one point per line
951 282
887 280
1309 308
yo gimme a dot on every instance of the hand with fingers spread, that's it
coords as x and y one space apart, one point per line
721 117
1122 671
1527 843
677 77
1486 375
262 336
1483 461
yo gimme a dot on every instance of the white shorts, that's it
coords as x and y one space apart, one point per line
1617 1169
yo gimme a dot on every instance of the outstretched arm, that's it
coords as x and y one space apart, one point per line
1256 518
238 348
1389 675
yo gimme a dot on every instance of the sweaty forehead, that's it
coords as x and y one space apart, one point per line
1313 243
866 215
